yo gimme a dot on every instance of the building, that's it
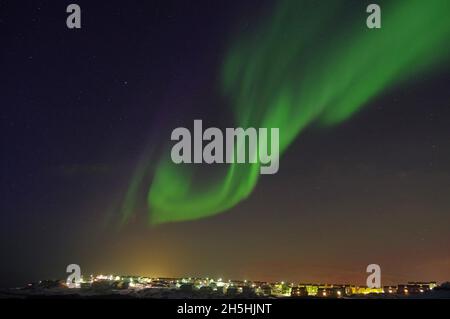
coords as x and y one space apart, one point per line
416 288
299 292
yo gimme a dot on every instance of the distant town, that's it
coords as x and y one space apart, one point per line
147 287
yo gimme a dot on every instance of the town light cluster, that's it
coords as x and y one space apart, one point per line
219 287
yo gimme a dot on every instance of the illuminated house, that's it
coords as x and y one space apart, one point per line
336 291
265 290
312 290
390 289
323 292
299 292
281 289
424 285
415 287
363 290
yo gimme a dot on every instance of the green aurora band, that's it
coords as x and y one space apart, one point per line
310 62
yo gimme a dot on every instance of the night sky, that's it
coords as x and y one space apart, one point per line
84 112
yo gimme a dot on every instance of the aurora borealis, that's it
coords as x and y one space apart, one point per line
281 76
363 114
